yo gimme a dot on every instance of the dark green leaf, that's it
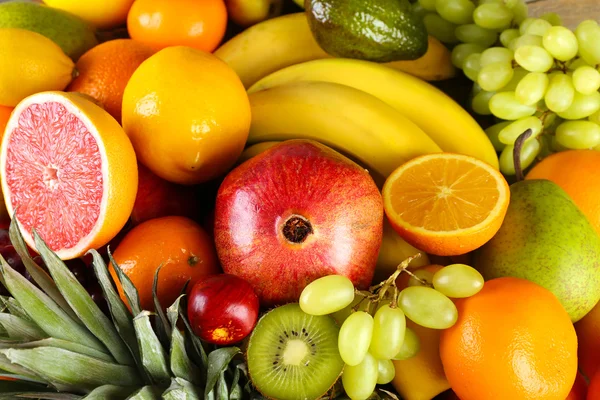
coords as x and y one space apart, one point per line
23 386
222 391
181 389
44 311
129 289
154 358
62 344
218 360
38 274
163 329
14 307
20 329
236 389
181 365
82 304
48 396
109 392
198 349
146 393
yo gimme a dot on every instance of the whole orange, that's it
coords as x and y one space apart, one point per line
162 23
4 116
588 337
187 115
105 70
577 172
180 245
512 340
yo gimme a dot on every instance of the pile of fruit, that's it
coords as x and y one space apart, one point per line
248 199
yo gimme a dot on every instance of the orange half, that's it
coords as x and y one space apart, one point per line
446 204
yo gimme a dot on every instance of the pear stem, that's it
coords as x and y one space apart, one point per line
517 153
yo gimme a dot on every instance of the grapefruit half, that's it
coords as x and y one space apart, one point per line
69 170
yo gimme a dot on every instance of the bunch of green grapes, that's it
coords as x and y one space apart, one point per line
373 328
529 73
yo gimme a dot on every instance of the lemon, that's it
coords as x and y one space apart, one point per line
30 63
103 14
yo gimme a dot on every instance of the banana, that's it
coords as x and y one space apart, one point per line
287 40
255 150
346 119
444 120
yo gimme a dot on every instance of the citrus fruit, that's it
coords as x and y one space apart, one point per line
178 244
579 389
446 204
4 116
187 114
588 337
103 14
512 340
193 23
581 180
69 170
421 377
105 70
30 63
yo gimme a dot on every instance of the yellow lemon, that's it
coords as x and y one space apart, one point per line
103 14
187 115
30 63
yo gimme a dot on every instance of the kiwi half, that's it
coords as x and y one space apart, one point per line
293 355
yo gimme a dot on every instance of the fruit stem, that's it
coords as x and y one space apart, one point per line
517 153
297 228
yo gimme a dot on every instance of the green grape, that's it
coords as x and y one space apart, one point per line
472 66
582 107
534 58
578 135
588 36
586 79
492 133
480 2
428 307
458 281
388 332
578 62
327 295
561 43
429 5
521 12
518 75
495 76
505 105
511 3
386 372
493 16
532 88
481 102
537 27
458 12
525 40
440 28
510 133
462 51
359 381
410 346
421 274
340 316
496 54
418 10
508 35
472 33
524 25
529 152
595 117
560 93
355 336
553 18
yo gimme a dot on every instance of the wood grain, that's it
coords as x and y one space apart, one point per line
571 11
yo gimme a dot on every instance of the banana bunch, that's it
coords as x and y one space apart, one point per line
379 115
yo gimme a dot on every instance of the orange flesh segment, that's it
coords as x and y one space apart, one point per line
444 195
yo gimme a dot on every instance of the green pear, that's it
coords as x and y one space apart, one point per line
546 239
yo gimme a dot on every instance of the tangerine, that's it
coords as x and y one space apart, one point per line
178 244
103 72
512 340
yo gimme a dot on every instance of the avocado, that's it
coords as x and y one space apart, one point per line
71 33
373 30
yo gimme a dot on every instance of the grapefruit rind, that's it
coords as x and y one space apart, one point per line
119 170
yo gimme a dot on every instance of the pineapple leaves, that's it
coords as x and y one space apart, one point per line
181 365
218 360
14 307
19 328
129 289
154 357
162 325
82 304
109 392
180 389
146 393
62 344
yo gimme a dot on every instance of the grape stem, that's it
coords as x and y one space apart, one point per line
517 153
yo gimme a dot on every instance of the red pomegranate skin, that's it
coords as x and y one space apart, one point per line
222 309
269 199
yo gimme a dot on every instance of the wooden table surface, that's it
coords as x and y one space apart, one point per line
571 11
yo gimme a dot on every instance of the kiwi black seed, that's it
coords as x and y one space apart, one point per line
293 355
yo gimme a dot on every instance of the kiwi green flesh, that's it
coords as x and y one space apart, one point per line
292 355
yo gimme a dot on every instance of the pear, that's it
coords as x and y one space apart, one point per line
546 239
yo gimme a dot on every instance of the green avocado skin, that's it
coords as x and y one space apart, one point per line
72 34
546 239
373 30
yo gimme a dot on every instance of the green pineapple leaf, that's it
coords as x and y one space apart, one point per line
154 357
181 365
180 389
16 369
109 392
20 329
222 391
198 349
40 396
38 274
44 311
14 307
62 344
82 304
129 289
218 360
146 393
162 325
